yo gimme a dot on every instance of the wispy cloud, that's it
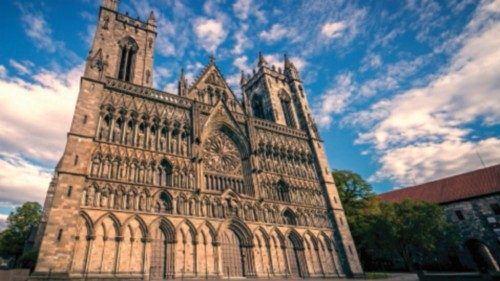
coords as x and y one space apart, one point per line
21 180
23 67
39 31
276 33
424 132
31 123
334 100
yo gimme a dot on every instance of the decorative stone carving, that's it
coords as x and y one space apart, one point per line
220 154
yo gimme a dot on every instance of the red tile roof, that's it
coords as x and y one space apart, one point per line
456 188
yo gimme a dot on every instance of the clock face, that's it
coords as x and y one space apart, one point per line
221 154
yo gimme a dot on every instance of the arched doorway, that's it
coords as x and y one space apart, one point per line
237 250
162 252
481 255
295 254
232 258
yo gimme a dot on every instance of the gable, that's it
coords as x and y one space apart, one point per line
211 87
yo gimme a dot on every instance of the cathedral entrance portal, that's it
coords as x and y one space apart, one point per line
162 253
295 255
232 259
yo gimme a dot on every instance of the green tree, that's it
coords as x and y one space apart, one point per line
408 232
354 192
20 223
415 232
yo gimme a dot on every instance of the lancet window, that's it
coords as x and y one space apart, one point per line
128 51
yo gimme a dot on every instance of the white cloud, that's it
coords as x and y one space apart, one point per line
334 100
371 61
427 161
163 72
21 180
276 33
36 114
242 8
38 30
3 71
210 33
21 67
425 133
242 41
242 64
171 88
333 29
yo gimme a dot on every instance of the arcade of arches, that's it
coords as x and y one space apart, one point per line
154 185
176 247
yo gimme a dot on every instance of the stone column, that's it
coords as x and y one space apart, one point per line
118 240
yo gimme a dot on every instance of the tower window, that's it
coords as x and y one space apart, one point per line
287 110
257 107
70 190
128 49
459 215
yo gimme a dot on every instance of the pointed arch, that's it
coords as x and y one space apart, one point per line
211 228
88 223
116 222
289 216
128 50
163 238
191 228
142 225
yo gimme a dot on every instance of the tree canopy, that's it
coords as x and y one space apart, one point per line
13 238
410 232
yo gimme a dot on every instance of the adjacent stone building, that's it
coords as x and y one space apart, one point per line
471 201
155 185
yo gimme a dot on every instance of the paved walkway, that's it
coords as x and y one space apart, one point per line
391 277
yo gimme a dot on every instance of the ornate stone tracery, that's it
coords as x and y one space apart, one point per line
189 185
221 154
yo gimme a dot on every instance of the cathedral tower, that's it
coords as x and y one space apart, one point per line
195 184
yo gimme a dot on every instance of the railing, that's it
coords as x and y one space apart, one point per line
264 124
147 92
221 183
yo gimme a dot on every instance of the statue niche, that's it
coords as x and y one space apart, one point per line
222 163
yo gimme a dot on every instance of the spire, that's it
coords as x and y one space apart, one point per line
152 18
182 84
290 69
110 4
243 78
287 62
211 59
262 60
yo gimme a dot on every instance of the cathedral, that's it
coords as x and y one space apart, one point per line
194 184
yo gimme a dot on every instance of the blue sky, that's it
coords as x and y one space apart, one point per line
404 92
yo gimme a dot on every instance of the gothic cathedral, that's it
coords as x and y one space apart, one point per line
194 184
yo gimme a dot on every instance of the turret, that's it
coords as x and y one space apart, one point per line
183 85
152 19
290 70
262 61
243 79
110 4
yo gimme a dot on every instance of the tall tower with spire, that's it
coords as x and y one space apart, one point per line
195 184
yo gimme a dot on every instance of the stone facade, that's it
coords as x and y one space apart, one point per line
478 222
154 185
